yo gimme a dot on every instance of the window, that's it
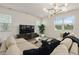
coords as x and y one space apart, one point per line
64 23
58 23
5 23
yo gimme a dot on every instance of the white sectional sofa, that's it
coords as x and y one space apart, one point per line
66 47
13 46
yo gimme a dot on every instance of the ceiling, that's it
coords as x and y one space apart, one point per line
35 9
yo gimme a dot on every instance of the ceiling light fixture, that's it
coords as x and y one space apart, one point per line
55 8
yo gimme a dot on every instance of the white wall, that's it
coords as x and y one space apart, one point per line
50 30
22 18
17 18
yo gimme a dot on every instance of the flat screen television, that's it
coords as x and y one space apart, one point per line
24 29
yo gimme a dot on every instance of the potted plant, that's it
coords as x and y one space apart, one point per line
41 29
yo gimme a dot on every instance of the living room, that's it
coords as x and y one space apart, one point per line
56 18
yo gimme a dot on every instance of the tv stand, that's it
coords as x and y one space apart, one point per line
27 36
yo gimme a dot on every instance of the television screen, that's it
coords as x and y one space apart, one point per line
24 29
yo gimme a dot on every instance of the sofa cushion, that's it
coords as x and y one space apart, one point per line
3 48
24 44
74 49
60 50
10 41
67 42
13 50
20 40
